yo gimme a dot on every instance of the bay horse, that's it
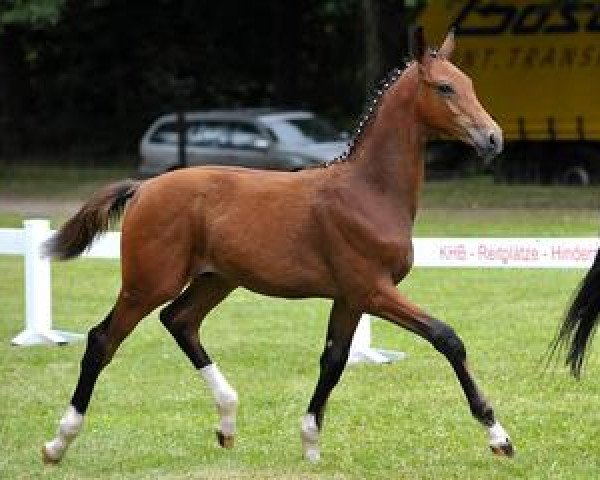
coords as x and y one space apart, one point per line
581 319
344 232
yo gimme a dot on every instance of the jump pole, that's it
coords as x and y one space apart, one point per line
38 291
361 350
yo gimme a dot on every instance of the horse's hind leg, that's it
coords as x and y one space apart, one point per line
389 304
342 325
102 342
183 318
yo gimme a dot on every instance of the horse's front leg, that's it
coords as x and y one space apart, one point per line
388 303
342 325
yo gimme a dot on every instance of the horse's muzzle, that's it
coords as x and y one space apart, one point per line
488 141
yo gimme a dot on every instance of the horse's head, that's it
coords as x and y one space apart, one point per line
446 100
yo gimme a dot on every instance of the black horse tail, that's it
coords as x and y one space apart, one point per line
93 218
581 320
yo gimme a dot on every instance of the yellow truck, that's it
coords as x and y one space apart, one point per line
536 67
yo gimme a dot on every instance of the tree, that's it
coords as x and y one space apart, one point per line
88 76
29 12
18 18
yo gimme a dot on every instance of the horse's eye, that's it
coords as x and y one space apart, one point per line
445 89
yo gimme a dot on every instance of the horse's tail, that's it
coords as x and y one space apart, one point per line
92 219
581 319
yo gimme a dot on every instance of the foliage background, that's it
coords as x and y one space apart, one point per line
85 77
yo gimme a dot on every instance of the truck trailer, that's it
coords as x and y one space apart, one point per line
536 67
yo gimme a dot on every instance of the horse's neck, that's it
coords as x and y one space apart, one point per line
390 156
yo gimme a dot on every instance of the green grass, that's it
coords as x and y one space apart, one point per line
482 192
151 417
507 222
64 182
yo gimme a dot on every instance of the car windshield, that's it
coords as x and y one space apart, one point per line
302 130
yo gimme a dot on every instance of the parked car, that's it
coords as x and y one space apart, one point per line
256 138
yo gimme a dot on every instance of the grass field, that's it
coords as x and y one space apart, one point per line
56 181
151 418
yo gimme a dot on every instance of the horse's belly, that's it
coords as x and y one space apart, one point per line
290 289
275 271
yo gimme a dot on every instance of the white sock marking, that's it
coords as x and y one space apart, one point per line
68 428
225 397
309 432
498 435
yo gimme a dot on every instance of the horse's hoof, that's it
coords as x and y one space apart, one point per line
312 454
503 450
225 441
47 459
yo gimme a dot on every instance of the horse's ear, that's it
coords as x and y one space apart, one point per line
417 46
448 46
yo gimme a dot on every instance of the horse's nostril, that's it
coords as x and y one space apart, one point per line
492 139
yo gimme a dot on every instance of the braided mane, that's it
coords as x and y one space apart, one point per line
368 114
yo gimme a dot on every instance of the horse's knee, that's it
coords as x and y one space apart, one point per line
173 314
166 317
446 341
178 329
99 351
334 356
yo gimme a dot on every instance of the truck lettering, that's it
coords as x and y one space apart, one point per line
480 17
548 59
531 19
594 23
501 17
569 24
568 57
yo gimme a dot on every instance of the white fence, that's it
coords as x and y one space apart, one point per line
572 252
38 300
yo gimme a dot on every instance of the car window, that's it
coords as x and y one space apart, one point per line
166 134
299 131
207 134
316 129
199 134
244 135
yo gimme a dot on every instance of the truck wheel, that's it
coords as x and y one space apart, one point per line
576 175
